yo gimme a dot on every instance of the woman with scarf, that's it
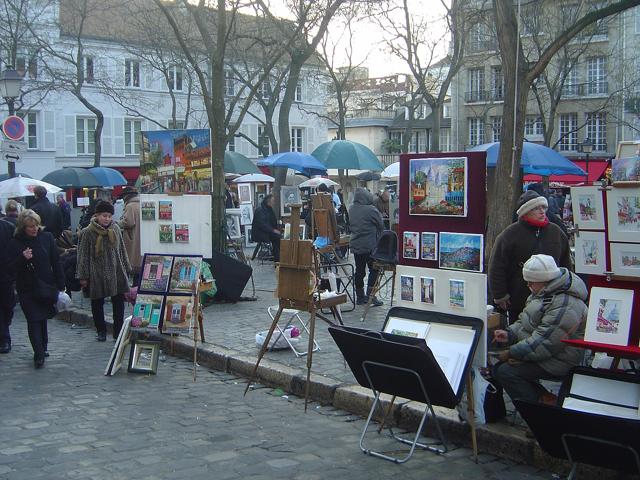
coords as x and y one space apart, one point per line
103 267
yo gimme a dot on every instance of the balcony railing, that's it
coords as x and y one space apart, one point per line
484 96
585 89
481 46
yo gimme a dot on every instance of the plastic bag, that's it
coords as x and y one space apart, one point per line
488 400
64 302
277 340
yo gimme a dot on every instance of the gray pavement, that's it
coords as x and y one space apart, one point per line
69 421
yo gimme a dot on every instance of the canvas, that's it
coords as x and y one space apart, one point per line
406 288
438 186
461 251
244 192
625 170
288 196
147 311
429 246
178 314
456 293
181 231
156 271
185 274
246 214
148 210
625 259
609 317
590 253
410 244
587 207
165 233
623 213
427 290
165 210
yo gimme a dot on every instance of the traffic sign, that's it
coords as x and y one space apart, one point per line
13 127
12 150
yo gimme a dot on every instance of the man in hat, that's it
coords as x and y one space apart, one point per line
50 214
531 234
130 225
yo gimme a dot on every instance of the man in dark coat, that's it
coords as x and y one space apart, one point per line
7 295
264 227
531 234
50 214
65 209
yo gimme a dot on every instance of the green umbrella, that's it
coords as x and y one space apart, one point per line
72 177
347 155
235 162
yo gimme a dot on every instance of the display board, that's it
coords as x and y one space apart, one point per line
176 224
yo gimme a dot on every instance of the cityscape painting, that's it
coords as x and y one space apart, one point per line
438 186
461 251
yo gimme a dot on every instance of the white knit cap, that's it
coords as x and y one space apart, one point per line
531 204
540 268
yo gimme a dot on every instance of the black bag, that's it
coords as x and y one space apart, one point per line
43 292
494 407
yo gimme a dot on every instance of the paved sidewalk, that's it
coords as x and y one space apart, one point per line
68 421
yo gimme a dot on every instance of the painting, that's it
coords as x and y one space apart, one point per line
428 290
156 271
590 253
247 237
147 311
429 246
246 214
181 231
623 213
165 233
625 259
144 356
232 219
288 196
178 314
407 327
587 207
244 192
410 244
148 210
461 251
165 210
456 293
406 288
609 317
185 274
438 186
625 170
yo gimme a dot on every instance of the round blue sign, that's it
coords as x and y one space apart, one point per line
13 127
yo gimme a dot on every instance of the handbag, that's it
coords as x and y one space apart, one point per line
43 292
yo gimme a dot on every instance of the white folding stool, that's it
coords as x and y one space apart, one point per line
291 315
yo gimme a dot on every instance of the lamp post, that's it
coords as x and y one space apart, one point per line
10 83
586 147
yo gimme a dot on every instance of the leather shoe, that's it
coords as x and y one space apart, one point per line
38 363
376 302
101 337
46 353
5 348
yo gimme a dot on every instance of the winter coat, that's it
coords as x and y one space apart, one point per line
107 273
365 221
130 226
50 215
46 266
512 248
264 222
557 312
6 234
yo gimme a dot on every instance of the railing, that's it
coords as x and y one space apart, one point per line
585 89
388 158
481 46
496 95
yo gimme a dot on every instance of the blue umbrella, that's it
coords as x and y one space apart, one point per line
348 155
298 161
108 177
536 159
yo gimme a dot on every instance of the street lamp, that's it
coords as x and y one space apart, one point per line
10 83
586 147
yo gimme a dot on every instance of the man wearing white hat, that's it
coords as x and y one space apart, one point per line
555 310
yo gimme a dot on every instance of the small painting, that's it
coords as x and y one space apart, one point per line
246 214
147 311
587 207
625 259
148 210
438 186
429 246
410 244
165 210
623 210
232 219
156 271
609 316
181 232
143 357
456 293
461 251
178 314
625 170
427 290
590 253
288 196
166 233
244 192
185 274
406 327
406 288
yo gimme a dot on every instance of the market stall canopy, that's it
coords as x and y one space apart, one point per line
595 171
368 176
536 159
108 177
72 177
255 178
298 161
346 154
316 181
392 172
23 187
235 162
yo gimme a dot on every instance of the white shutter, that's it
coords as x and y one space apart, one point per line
70 135
147 73
253 135
118 136
49 130
242 146
107 137
309 132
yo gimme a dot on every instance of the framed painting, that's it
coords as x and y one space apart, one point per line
407 327
185 274
148 210
156 271
181 232
429 246
438 186
609 317
456 293
623 213
625 259
178 314
247 237
147 311
587 207
144 356
461 251
165 233
165 210
406 288
625 171
246 214
410 245
232 220
428 290
590 253
244 193
288 196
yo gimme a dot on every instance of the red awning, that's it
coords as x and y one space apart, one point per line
596 171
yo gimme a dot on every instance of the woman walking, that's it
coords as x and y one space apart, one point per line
103 267
33 258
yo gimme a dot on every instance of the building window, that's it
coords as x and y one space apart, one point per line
132 130
297 139
533 126
31 123
229 83
568 132
570 87
597 130
445 139
496 128
418 142
132 73
175 79
265 90
480 40
446 110
263 142
476 131
596 76
497 83
87 70
298 93
85 136
231 144
569 15
476 85
175 124
27 64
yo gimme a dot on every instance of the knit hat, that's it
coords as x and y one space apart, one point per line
528 201
540 268
102 207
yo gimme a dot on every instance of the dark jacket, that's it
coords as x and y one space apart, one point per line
6 234
264 222
365 221
65 209
50 215
512 248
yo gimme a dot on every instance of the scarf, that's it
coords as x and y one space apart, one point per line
101 232
537 224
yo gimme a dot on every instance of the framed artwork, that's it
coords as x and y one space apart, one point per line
165 233
244 193
147 311
461 251
302 233
623 213
148 210
429 246
590 253
123 340
246 214
428 290
185 274
156 271
625 259
178 314
625 170
438 186
407 327
247 237
587 207
165 210
410 244
288 196
144 356
181 232
456 293
406 288
232 219
609 317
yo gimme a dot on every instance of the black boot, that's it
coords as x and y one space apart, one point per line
375 302
361 298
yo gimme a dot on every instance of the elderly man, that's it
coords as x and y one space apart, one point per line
555 310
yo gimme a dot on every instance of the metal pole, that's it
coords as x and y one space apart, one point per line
11 166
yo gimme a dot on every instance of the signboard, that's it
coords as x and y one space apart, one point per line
13 127
12 150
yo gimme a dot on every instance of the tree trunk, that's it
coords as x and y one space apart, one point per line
435 130
97 135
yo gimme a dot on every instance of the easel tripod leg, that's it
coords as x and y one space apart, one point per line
264 348
312 331
471 417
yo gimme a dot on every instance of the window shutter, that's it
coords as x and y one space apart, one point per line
242 145
70 135
49 130
107 137
309 132
118 136
253 135
147 73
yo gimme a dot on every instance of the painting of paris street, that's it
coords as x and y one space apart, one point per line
438 186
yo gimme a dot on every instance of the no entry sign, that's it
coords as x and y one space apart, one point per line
13 127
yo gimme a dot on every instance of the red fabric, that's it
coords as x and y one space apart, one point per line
596 171
535 223
630 351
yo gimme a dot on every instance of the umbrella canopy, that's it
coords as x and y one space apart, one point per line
536 159
5 176
348 155
23 187
235 162
316 181
392 172
108 177
255 178
72 177
368 176
298 161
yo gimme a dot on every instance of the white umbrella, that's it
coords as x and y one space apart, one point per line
23 187
316 181
254 178
392 172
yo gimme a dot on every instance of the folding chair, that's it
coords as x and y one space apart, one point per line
292 316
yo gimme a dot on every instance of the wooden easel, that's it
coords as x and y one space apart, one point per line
298 289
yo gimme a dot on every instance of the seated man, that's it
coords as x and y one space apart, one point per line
554 311
264 227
